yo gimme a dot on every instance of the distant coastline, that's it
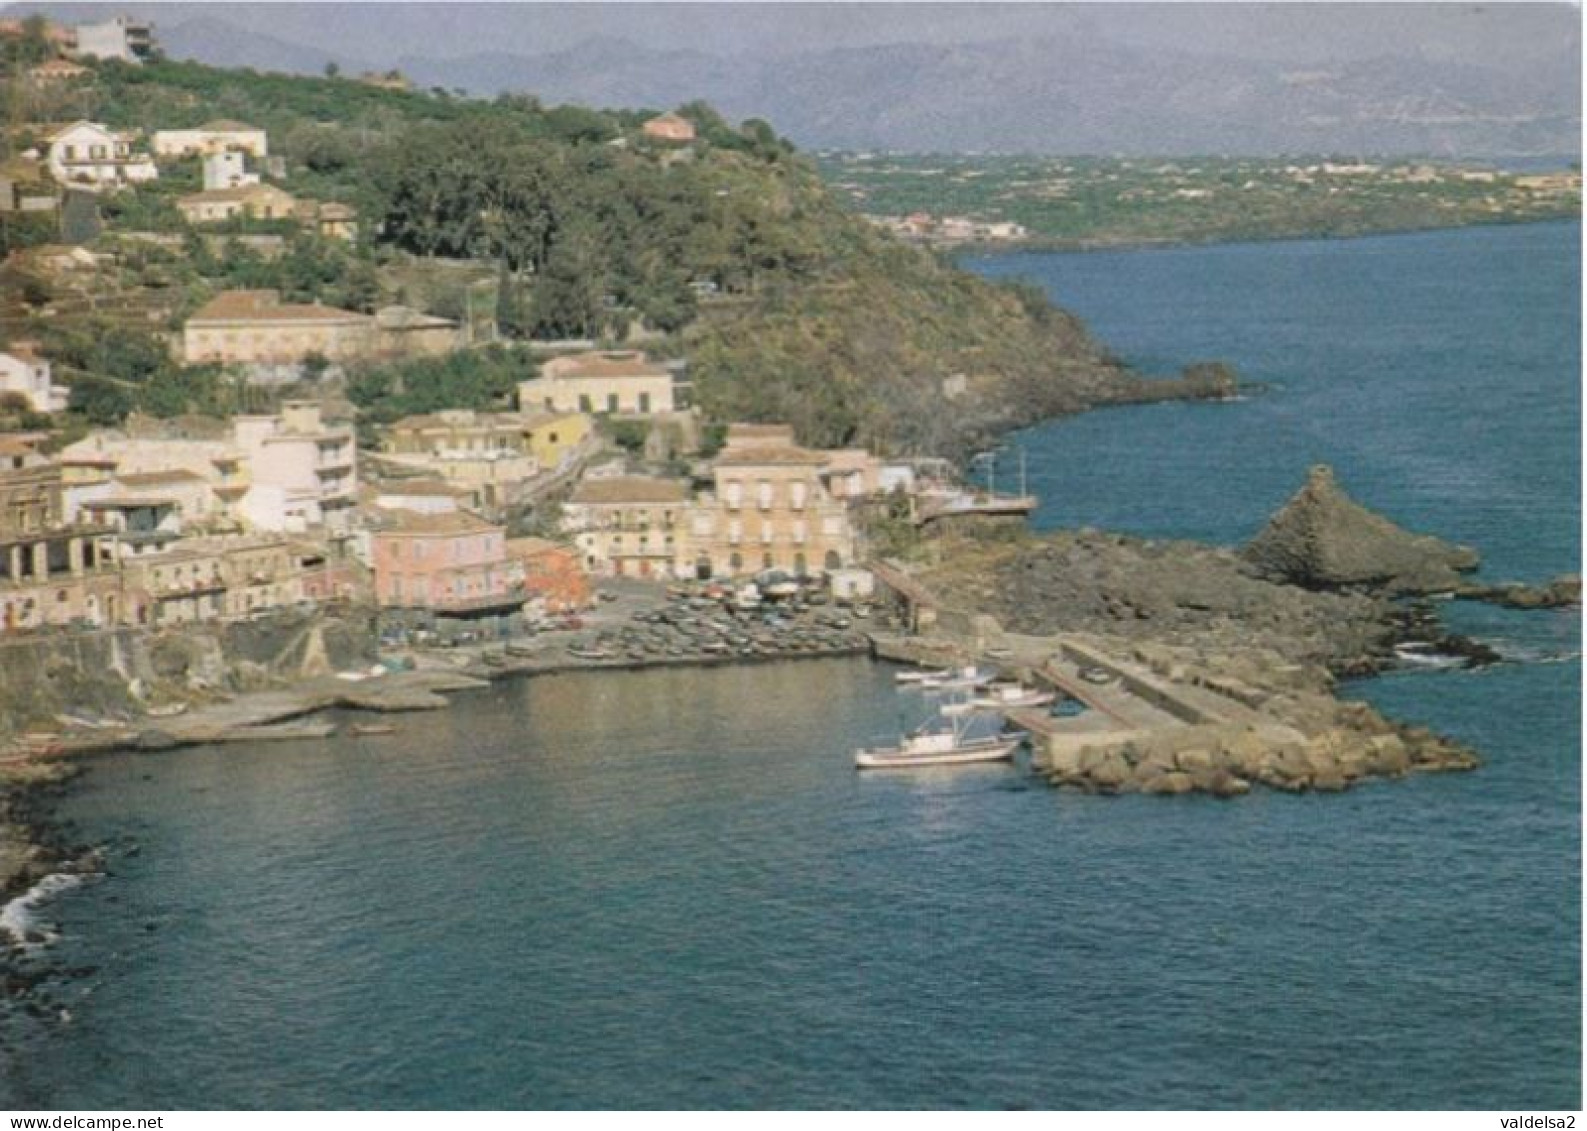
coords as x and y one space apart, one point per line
1040 246
955 202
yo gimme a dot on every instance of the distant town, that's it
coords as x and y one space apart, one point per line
954 200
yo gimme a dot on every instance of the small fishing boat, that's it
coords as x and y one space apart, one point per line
920 676
935 747
364 730
1002 696
965 679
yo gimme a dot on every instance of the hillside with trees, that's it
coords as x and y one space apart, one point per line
728 251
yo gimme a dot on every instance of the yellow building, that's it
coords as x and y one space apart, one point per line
554 438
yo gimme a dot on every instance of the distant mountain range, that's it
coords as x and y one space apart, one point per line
1074 92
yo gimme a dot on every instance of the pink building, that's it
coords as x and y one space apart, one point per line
452 564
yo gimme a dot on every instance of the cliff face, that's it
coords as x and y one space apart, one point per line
117 674
1323 539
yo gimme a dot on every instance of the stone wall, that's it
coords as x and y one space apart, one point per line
117 674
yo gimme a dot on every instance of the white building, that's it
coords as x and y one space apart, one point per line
212 137
279 473
23 371
302 472
87 153
131 41
227 169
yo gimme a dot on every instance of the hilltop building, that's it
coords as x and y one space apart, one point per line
53 71
257 328
615 382
24 372
224 170
131 41
212 138
670 126
255 201
89 154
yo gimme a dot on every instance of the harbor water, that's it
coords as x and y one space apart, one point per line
671 889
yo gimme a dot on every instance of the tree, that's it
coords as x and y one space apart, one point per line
102 402
333 69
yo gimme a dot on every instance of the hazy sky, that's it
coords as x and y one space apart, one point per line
379 33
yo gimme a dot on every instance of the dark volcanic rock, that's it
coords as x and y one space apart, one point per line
1563 591
1172 592
1323 539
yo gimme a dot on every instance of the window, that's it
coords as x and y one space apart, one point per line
644 402
763 494
584 402
798 490
611 402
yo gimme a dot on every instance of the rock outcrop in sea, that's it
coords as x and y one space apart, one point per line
1323 539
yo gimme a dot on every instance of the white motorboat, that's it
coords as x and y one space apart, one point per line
1003 696
964 679
920 676
927 747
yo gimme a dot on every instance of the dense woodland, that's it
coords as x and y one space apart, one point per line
731 247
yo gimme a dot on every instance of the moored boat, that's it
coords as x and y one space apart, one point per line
1001 696
927 747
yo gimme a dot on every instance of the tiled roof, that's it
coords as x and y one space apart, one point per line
631 489
446 522
753 457
238 193
587 366
266 306
529 547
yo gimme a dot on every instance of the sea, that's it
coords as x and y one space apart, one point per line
670 889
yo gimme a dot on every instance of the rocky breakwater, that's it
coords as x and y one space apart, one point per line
1208 669
1246 720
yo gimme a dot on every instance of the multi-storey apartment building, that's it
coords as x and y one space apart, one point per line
770 509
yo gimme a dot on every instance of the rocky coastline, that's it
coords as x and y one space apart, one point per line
1244 648
1220 666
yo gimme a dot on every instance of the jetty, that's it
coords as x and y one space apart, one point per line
1160 721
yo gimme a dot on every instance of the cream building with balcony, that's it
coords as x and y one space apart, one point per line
630 526
770 510
620 383
87 153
